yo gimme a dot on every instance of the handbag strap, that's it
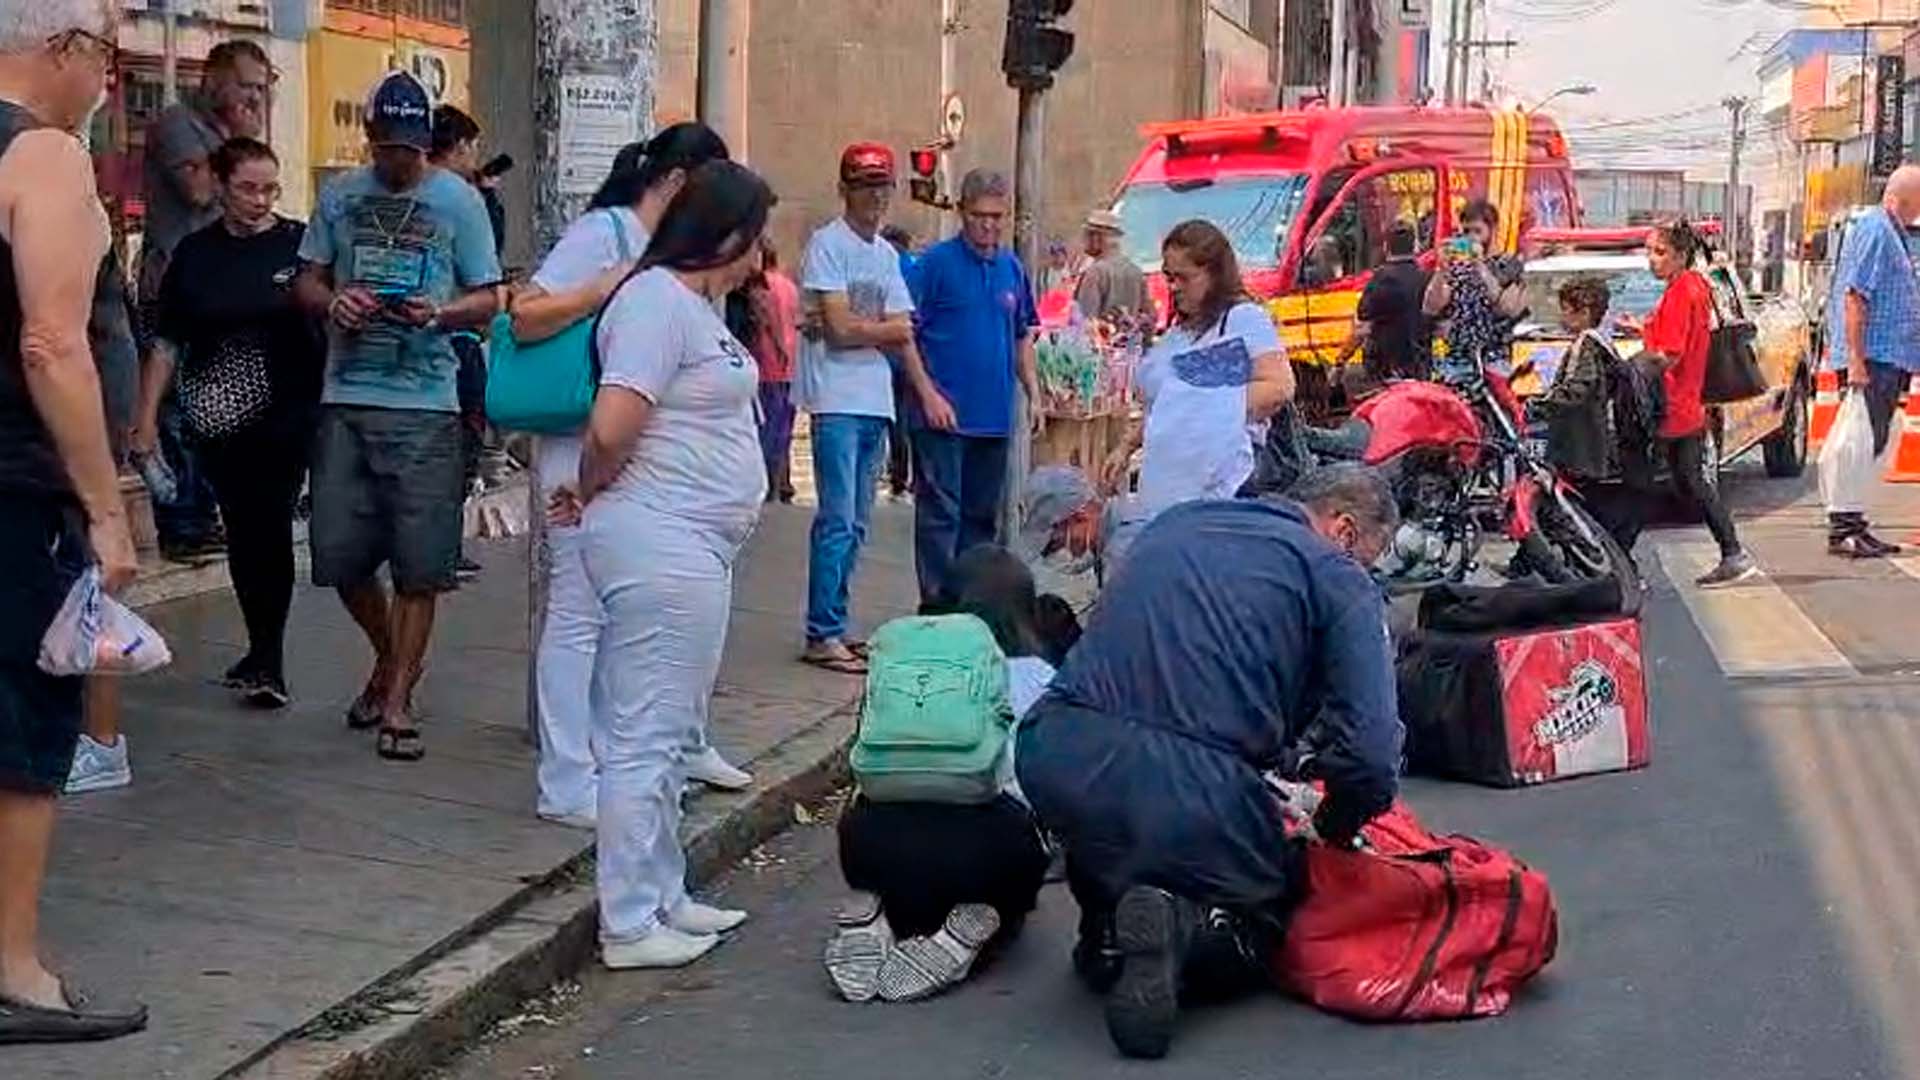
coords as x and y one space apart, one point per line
620 234
593 336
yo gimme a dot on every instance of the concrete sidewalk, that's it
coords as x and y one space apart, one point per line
264 867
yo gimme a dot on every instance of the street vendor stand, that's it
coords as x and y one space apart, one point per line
1086 375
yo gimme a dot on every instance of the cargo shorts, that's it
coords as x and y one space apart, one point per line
388 487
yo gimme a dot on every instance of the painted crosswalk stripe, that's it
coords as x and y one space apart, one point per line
1907 564
1754 628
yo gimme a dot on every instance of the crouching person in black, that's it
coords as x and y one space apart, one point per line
1235 634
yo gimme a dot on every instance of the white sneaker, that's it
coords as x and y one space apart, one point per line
664 948
694 917
711 769
583 820
98 768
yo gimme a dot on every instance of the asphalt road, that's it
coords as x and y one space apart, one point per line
1719 918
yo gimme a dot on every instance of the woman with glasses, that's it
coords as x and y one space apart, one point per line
245 363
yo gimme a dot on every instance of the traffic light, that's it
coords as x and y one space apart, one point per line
1035 48
924 184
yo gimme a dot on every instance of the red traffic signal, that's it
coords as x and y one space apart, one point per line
925 161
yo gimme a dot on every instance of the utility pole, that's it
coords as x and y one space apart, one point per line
724 27
1035 49
950 26
594 68
169 54
1730 207
1465 45
1337 82
1451 94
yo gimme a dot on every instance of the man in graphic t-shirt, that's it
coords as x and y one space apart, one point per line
399 256
859 313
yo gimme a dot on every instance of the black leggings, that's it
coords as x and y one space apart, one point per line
256 477
1685 459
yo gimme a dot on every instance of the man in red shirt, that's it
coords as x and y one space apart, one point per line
1678 336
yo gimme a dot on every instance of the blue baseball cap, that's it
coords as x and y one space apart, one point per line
400 112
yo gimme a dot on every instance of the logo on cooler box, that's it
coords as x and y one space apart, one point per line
1578 707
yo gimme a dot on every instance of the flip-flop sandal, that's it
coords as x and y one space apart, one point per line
861 649
843 662
362 715
80 1021
400 744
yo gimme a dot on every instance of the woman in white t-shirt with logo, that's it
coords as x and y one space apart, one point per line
577 278
1210 383
671 481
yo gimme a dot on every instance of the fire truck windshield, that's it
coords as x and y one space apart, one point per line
1254 212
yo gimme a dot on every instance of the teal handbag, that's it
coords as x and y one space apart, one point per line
546 386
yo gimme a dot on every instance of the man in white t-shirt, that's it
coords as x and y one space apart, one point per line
859 319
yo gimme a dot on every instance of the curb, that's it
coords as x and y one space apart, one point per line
420 1014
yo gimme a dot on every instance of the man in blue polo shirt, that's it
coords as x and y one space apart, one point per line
1875 314
974 318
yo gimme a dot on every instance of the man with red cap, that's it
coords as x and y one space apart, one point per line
860 318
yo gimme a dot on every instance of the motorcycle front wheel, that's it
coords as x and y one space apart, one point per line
1568 545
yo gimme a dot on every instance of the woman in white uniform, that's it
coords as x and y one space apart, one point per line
574 282
671 481
1210 382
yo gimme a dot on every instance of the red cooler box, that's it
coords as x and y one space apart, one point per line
1517 707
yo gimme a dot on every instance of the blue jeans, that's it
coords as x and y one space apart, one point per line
847 451
956 493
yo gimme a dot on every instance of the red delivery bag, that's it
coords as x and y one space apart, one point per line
1416 926
1516 707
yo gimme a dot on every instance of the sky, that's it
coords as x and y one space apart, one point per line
1660 69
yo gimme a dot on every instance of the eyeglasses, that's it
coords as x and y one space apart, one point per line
66 40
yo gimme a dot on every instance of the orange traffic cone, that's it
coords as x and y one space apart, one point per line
1826 406
1905 467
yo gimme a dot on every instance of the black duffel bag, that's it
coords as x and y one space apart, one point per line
1475 609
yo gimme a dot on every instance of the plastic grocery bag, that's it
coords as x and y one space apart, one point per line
1847 467
94 634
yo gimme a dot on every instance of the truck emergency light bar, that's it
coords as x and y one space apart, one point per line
1267 128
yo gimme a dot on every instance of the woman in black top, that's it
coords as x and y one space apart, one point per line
249 364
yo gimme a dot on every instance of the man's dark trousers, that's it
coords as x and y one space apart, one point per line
1885 384
956 490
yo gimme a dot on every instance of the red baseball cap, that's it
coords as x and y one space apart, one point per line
867 163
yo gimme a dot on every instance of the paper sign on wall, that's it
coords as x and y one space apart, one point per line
598 116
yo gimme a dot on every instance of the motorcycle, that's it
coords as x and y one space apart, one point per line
1463 468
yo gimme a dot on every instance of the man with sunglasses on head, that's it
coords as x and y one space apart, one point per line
60 505
1238 640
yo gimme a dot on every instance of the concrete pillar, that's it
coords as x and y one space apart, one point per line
724 26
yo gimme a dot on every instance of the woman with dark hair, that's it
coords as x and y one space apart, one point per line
1677 337
1210 383
249 364
937 882
669 489
1476 295
575 281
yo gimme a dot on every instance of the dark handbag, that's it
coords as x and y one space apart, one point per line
1733 362
227 391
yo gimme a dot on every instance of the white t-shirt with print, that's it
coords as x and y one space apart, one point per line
698 458
591 246
856 382
1198 443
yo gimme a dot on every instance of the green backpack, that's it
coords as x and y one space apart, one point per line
935 720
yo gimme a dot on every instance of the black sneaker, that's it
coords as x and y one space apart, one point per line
1857 546
466 569
241 676
268 692
1153 929
1880 545
1732 569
